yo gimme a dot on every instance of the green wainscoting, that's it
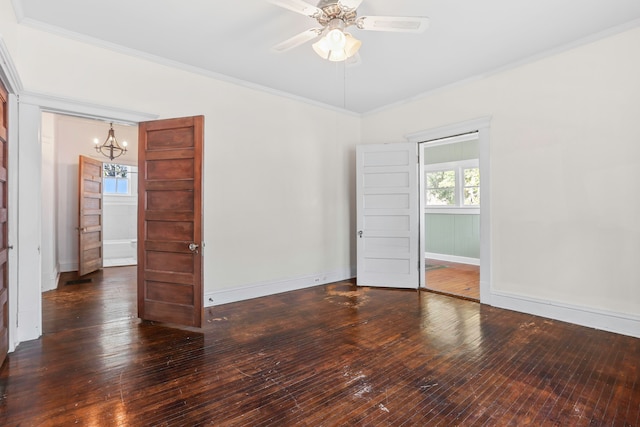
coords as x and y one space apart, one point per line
453 234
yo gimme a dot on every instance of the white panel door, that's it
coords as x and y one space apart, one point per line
387 215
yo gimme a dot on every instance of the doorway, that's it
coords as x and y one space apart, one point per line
390 231
450 199
482 127
64 138
170 266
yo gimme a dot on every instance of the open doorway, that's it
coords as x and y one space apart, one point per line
450 201
391 202
120 213
64 139
169 272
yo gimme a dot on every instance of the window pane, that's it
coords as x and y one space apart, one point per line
109 169
122 186
472 177
440 196
472 196
115 170
109 185
441 179
441 188
121 171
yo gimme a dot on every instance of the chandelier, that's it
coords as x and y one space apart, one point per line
110 148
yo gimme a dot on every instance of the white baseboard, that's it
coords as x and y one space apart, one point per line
452 258
68 266
256 290
620 323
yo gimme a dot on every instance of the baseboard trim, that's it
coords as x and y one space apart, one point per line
620 323
262 289
452 258
68 266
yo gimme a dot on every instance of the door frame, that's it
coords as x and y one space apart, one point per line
482 126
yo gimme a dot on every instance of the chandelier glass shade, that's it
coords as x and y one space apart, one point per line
110 147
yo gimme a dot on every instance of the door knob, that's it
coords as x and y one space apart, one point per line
193 248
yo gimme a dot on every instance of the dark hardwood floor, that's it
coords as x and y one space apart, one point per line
330 355
450 278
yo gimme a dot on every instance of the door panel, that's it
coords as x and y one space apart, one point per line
4 277
90 215
170 220
387 215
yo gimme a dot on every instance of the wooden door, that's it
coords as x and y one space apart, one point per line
387 215
90 215
170 220
4 277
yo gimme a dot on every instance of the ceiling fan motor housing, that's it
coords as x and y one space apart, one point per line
332 10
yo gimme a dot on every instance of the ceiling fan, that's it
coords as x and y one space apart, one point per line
334 17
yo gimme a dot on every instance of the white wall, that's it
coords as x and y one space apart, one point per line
564 159
120 224
74 137
278 182
49 195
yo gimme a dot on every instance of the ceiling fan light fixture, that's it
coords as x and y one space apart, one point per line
336 39
329 48
352 45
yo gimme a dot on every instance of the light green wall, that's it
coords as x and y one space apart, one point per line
465 150
453 234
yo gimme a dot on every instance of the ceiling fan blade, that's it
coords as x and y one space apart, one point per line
298 6
350 4
297 40
406 24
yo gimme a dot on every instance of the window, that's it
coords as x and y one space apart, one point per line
441 188
453 185
471 195
116 179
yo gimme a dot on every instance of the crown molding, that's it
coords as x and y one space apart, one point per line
513 65
8 72
38 25
18 10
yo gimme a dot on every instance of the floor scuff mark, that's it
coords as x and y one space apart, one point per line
346 295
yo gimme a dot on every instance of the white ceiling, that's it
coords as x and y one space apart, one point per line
233 40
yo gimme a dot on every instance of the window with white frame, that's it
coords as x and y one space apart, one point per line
453 185
115 179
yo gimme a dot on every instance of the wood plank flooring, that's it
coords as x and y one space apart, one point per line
450 278
331 355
